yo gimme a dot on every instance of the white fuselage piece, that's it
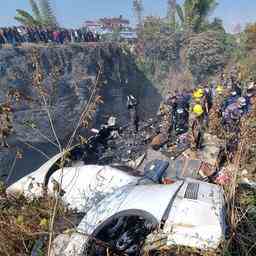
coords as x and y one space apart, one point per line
193 211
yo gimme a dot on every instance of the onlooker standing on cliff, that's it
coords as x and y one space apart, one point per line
21 34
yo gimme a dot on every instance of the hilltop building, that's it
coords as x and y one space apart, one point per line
111 23
108 25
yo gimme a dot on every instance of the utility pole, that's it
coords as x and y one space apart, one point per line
171 15
138 9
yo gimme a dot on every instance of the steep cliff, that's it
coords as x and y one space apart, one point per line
68 75
181 60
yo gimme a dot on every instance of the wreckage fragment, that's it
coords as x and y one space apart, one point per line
106 194
112 196
188 213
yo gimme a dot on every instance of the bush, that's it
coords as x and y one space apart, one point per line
206 55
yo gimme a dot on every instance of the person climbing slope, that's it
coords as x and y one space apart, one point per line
196 125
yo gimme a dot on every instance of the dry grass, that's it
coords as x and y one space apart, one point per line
23 222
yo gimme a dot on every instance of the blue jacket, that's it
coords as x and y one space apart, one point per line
230 100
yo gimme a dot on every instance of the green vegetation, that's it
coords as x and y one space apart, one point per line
173 54
245 54
24 223
194 14
185 50
190 53
42 14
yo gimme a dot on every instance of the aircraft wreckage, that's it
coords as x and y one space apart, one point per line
153 202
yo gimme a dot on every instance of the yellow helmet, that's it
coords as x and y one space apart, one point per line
198 110
201 91
219 89
198 93
195 94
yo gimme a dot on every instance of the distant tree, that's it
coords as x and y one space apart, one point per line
216 24
48 16
138 9
35 10
152 28
26 18
250 37
42 14
194 13
206 54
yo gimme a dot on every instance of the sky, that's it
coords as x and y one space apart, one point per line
72 13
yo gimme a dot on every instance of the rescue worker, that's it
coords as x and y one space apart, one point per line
173 105
132 107
180 113
199 97
250 94
243 105
182 100
181 119
209 97
230 99
236 87
231 124
251 103
218 96
223 79
229 85
233 114
219 90
196 127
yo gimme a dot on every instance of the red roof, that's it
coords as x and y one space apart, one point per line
114 21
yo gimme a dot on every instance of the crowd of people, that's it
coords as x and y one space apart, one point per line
22 34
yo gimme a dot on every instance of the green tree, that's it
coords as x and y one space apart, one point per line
250 37
206 54
194 13
42 14
152 28
138 9
48 16
35 10
216 25
26 18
